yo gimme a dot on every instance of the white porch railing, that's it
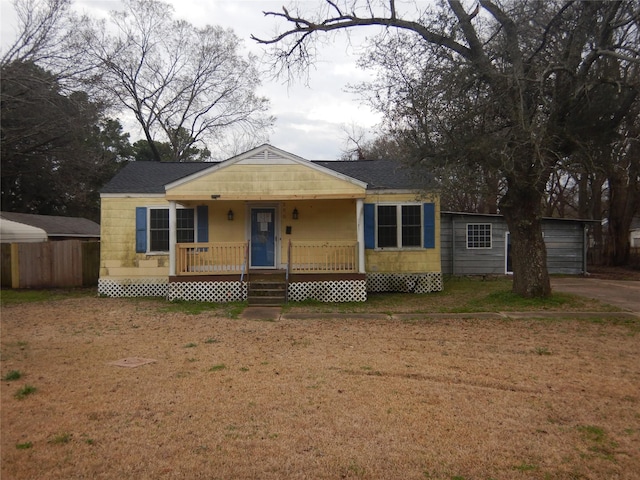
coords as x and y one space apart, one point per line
323 257
211 258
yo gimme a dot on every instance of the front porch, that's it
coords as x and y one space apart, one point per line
326 271
233 258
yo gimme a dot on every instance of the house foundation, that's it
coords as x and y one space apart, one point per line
322 288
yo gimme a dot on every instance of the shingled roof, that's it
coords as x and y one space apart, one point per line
57 226
151 177
377 174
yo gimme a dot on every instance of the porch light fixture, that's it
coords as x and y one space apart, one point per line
294 214
230 215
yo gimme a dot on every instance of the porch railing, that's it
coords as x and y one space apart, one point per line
323 257
229 258
220 258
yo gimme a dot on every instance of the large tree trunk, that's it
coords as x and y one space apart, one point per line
624 202
620 216
522 210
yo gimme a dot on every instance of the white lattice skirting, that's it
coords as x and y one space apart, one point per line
133 287
322 291
329 291
218 292
404 282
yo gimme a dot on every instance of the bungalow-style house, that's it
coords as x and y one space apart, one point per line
264 222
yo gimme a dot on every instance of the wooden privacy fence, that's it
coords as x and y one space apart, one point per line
66 263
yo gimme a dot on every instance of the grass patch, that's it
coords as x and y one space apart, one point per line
598 442
227 310
61 439
190 345
506 300
25 392
13 297
460 295
542 351
526 467
12 375
215 368
24 446
211 340
631 323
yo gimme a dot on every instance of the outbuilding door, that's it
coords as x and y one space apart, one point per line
263 237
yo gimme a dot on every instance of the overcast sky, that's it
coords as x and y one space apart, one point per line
310 119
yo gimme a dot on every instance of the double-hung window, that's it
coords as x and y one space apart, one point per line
159 228
478 235
399 226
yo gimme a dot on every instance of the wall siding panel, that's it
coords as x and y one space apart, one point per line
419 260
272 180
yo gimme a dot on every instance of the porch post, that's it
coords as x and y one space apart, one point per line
360 225
172 237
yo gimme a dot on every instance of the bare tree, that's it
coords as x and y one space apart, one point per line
176 78
525 69
49 34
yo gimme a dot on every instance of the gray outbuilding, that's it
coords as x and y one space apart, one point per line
479 244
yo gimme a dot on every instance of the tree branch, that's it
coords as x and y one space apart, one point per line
304 27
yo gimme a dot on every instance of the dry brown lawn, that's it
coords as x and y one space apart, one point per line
436 398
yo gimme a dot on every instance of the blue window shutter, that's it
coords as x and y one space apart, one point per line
429 225
141 229
369 225
203 223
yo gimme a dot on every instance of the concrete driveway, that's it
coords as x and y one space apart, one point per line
620 293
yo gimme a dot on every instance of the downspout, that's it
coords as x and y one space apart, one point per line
172 238
360 228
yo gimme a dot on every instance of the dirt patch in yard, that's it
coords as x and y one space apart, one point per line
436 398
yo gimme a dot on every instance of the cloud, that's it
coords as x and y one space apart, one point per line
310 119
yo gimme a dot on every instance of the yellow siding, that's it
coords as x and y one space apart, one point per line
118 257
405 261
321 220
254 181
223 230
318 220
328 220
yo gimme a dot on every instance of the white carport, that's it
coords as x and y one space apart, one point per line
14 232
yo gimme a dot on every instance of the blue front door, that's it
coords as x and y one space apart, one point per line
263 238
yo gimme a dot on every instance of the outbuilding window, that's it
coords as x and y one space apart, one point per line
478 235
